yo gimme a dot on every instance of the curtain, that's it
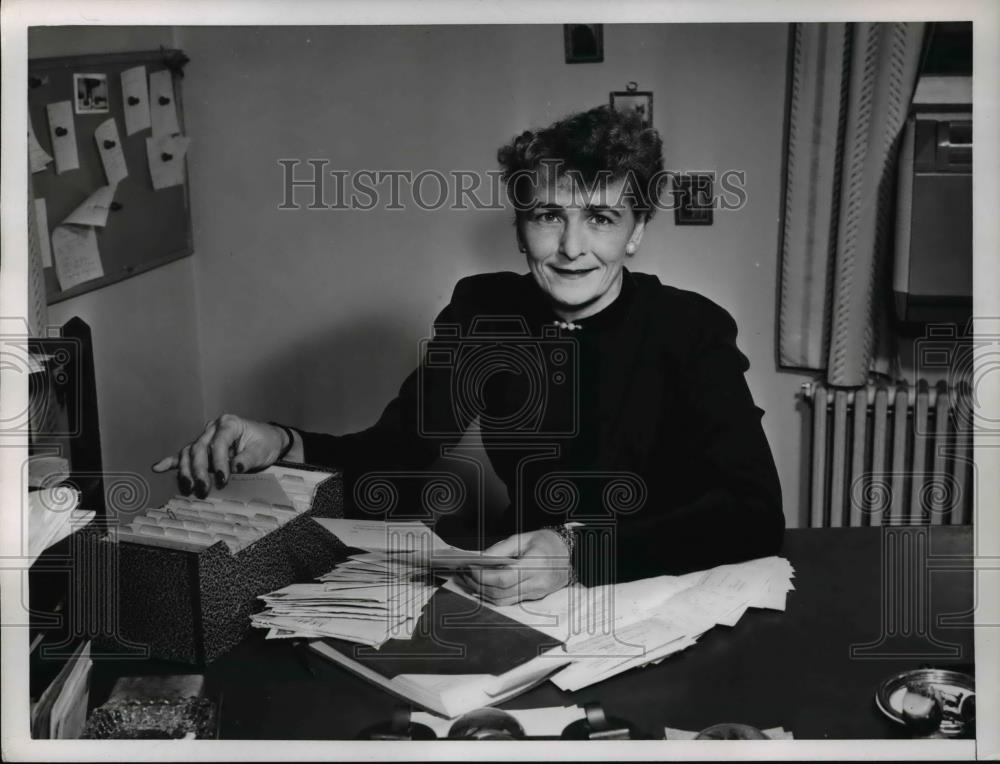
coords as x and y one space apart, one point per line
850 87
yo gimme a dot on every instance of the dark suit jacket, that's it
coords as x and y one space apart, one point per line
640 426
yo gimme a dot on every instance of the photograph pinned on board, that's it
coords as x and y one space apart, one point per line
90 94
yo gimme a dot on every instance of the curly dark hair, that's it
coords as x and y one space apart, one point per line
600 144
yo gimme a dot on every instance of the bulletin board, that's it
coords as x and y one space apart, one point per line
145 228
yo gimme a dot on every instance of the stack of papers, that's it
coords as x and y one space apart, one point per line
611 629
248 508
52 516
369 599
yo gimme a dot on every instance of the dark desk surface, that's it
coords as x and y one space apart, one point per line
868 603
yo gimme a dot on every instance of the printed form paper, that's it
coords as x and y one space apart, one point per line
135 99
74 250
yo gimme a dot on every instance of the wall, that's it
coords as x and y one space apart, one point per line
146 354
313 317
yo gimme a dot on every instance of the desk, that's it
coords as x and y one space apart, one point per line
793 669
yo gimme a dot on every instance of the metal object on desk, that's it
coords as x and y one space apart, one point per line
400 727
599 726
731 731
486 724
951 712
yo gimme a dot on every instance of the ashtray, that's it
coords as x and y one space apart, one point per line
188 718
952 692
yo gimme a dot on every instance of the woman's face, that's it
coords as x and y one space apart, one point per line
576 243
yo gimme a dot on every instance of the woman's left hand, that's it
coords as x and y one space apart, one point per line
542 567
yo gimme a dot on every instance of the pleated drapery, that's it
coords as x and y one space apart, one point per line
850 87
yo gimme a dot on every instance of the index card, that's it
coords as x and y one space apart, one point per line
135 99
162 109
42 224
110 148
62 131
94 210
39 157
166 160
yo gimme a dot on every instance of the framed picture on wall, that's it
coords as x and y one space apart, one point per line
583 43
633 99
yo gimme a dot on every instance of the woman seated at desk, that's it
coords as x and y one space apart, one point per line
603 396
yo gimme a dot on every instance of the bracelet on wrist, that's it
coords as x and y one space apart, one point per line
291 441
569 539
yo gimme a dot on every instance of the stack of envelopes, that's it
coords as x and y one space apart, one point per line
368 599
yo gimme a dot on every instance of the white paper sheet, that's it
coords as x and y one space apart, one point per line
163 114
74 250
166 160
414 540
62 132
38 157
134 89
42 226
94 210
109 146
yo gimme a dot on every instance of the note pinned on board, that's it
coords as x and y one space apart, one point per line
109 146
38 157
162 108
42 224
94 211
77 260
62 131
135 99
166 160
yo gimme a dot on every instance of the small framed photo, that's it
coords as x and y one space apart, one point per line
90 94
584 43
640 101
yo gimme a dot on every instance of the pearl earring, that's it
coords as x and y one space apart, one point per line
630 249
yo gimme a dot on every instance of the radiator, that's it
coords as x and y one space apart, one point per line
889 454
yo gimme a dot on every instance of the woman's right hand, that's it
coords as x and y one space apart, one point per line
228 444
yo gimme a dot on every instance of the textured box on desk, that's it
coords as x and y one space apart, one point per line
193 606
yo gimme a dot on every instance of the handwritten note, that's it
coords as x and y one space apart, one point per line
135 98
62 131
109 146
42 224
38 157
166 160
162 109
94 211
74 249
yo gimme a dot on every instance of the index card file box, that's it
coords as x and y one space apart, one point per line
193 606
